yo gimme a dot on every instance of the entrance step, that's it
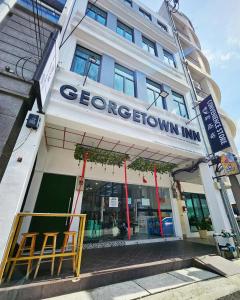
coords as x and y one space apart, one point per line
143 287
217 264
101 267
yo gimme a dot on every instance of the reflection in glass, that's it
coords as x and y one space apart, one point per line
105 206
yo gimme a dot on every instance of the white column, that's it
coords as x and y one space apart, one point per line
214 200
176 218
75 221
5 7
16 177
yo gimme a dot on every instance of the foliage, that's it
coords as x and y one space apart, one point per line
144 165
204 225
96 155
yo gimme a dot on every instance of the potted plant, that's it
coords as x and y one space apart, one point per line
203 227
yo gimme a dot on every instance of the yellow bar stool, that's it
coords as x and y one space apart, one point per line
52 246
72 245
31 237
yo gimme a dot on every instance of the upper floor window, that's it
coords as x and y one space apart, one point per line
128 2
153 92
178 105
86 62
163 26
149 46
97 14
169 58
145 14
125 31
124 80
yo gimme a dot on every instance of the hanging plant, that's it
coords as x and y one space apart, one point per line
96 155
144 165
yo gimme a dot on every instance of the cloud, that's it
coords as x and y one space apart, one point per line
221 58
233 42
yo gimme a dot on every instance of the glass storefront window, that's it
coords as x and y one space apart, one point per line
197 209
105 206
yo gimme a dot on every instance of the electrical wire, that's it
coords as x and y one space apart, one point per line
77 25
23 141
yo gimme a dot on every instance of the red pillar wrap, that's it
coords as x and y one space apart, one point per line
126 195
158 202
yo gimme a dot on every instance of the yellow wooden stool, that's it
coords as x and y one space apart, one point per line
20 253
47 235
73 245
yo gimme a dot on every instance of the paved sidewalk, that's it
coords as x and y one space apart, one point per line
180 284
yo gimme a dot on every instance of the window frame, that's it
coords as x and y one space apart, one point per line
78 47
192 197
179 105
117 66
127 27
162 26
128 2
96 9
168 58
159 86
145 14
148 42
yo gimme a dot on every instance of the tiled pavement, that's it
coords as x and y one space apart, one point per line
109 258
143 287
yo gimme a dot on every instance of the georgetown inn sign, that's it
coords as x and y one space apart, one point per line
96 102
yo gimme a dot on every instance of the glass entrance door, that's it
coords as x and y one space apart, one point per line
105 206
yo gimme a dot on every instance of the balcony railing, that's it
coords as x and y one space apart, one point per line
194 61
200 92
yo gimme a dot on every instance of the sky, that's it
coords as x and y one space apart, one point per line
217 24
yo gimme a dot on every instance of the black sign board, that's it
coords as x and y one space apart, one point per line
215 131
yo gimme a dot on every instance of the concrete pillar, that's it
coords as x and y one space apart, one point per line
137 37
75 221
81 5
159 51
141 90
15 180
176 217
235 190
107 71
5 7
111 21
214 200
67 53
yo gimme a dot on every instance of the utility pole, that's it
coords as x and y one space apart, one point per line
224 194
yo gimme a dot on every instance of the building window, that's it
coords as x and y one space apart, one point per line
145 14
162 26
169 58
177 105
86 62
149 46
153 92
124 80
128 2
197 209
97 14
125 31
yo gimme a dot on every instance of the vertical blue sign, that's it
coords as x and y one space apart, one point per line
215 131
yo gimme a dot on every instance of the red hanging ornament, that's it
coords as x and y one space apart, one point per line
144 179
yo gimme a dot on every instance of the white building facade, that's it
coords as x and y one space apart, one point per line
111 69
